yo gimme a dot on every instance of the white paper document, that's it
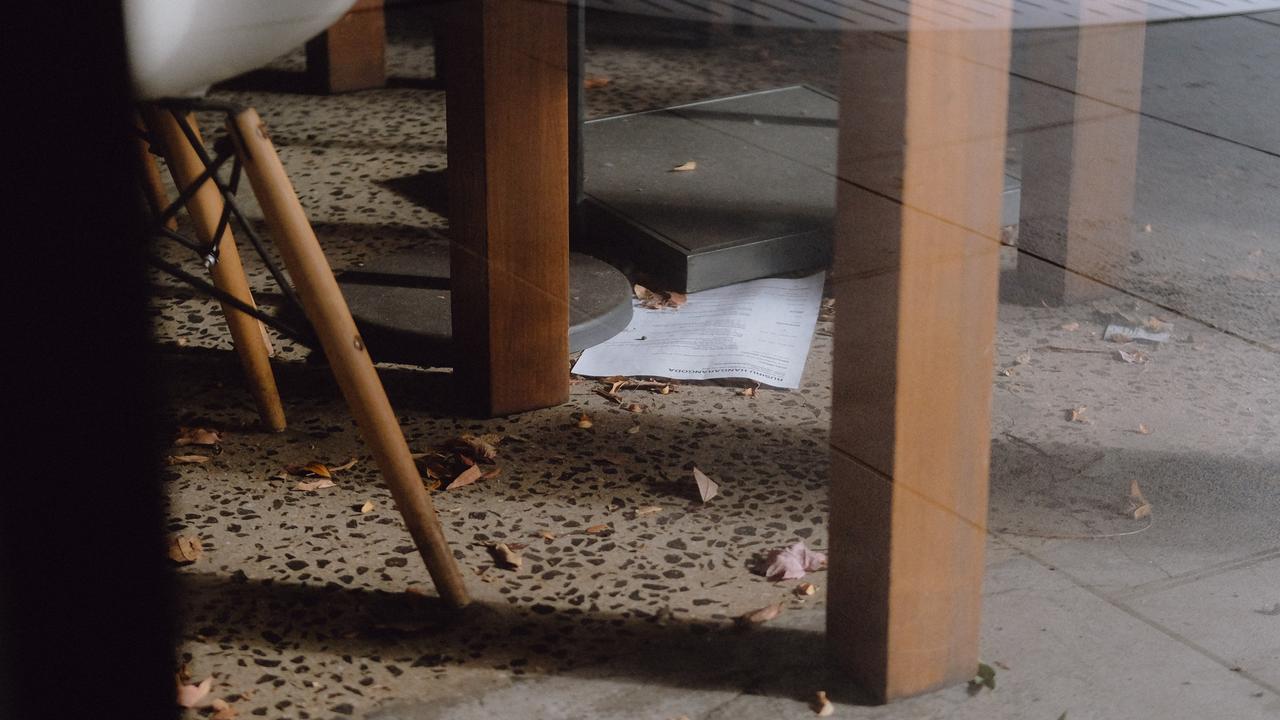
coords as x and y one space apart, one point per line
760 330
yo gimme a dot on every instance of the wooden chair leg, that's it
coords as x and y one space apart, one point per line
327 310
152 187
507 114
205 207
922 138
1076 226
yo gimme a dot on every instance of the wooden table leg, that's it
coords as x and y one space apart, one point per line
352 368
506 94
1076 226
205 207
352 54
922 142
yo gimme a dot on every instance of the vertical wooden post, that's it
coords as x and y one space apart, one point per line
506 94
352 54
1078 182
344 349
922 143
205 208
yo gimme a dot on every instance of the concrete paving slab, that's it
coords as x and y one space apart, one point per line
1234 614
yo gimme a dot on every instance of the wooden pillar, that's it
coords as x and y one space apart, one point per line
1076 226
506 93
922 144
352 54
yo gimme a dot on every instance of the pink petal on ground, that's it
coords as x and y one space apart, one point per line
793 562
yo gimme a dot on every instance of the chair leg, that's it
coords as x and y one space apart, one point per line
152 187
205 208
327 310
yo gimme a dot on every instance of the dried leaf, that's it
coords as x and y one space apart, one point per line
1143 429
658 299
822 707
584 421
648 510
344 466
1071 326
189 696
1137 357
762 615
547 535
505 556
311 469
466 477
633 429
597 529
805 589
634 407
197 436
791 563
707 488
1138 505
593 82
685 167
1155 324
186 459
185 549
748 392
314 485
222 710
479 448
1077 414
984 678
367 507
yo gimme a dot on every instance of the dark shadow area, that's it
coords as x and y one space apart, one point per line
428 189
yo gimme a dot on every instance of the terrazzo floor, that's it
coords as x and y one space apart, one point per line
311 604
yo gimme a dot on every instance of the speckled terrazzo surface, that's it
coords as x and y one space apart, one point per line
305 607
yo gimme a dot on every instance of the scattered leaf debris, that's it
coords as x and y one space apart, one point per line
1138 505
1143 429
597 529
793 561
707 488
1023 358
805 589
685 167
367 507
222 710
1136 357
314 485
1070 327
344 466
984 678
584 421
465 478
1076 415
547 535
593 82
648 510
749 391
186 459
659 299
185 549
760 615
821 705
197 436
506 556
311 469
190 696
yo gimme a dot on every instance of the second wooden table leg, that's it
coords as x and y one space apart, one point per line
508 173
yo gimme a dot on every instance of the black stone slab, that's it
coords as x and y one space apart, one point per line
761 201
401 304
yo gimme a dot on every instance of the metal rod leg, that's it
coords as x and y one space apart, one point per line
327 310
